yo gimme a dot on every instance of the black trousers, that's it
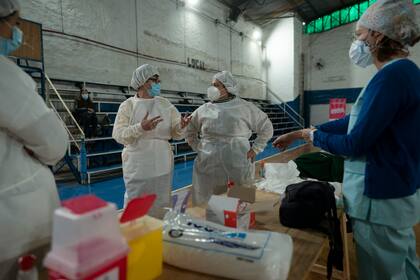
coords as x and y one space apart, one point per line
88 121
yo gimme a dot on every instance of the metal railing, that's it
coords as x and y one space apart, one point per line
63 103
77 137
290 112
82 161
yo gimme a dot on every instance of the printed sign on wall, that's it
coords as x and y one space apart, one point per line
337 108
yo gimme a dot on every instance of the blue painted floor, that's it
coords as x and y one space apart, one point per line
113 189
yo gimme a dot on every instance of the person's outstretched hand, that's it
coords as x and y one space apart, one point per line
285 140
185 120
149 124
251 155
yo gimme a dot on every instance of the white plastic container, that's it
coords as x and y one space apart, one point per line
87 242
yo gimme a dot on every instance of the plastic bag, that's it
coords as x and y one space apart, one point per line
210 248
278 176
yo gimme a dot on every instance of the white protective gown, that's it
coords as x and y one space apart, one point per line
147 156
28 194
219 133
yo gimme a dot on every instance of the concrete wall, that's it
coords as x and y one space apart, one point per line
283 49
133 32
332 48
319 113
339 77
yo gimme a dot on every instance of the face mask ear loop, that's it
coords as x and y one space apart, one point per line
373 48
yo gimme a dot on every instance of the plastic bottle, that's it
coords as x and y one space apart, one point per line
27 268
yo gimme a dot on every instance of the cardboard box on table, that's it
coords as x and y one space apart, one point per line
238 208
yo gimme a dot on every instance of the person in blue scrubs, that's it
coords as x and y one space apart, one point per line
381 142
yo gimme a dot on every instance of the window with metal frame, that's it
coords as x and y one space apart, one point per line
340 17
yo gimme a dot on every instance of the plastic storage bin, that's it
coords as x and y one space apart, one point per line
87 242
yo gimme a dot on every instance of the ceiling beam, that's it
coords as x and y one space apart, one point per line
288 6
316 12
226 3
234 3
296 8
239 3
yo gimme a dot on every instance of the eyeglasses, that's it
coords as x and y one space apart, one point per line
218 85
355 35
155 80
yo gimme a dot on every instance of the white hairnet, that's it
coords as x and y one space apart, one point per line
226 78
395 19
142 74
8 7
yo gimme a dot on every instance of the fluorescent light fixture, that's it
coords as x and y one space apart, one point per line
191 3
256 35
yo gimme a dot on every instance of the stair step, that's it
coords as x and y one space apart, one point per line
103 169
107 100
185 154
104 153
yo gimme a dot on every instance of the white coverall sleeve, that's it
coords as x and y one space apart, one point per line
262 125
123 132
193 129
25 116
177 132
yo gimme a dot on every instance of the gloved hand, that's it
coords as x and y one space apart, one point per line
285 140
185 120
251 155
306 134
151 123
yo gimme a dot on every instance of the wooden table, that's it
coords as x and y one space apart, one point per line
307 244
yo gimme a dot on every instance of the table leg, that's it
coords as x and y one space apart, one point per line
346 264
342 275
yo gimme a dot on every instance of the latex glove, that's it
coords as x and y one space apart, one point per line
149 124
285 140
185 120
251 155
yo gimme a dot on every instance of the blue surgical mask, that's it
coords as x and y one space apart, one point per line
7 46
155 90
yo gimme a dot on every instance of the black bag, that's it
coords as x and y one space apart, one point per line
311 204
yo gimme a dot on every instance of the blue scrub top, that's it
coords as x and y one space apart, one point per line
399 212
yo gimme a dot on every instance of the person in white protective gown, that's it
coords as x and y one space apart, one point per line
31 137
144 124
219 132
